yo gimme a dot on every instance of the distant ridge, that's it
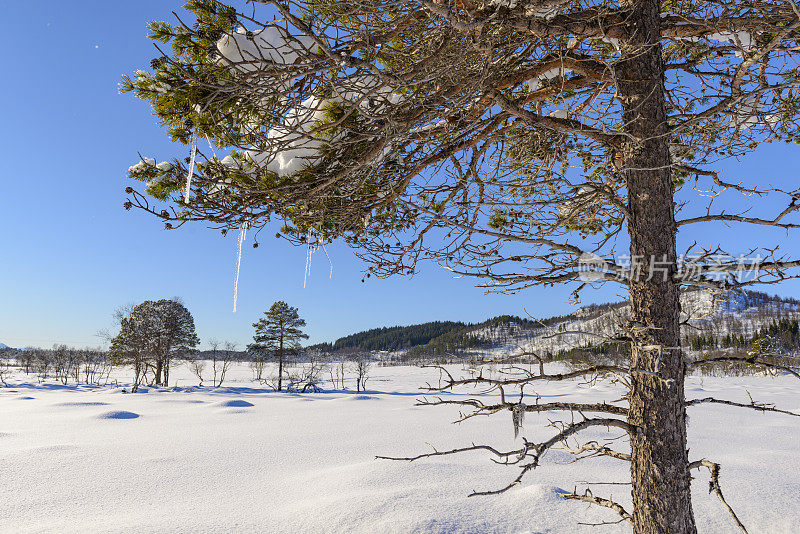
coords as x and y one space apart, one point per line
732 313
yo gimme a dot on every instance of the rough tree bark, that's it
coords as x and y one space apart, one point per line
159 369
659 457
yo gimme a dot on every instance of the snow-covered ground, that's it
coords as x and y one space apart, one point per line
241 458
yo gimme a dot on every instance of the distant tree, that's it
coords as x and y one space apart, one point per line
5 356
278 333
307 376
26 359
222 356
128 347
151 335
361 366
257 363
197 364
177 334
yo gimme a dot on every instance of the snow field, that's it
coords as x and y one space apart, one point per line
241 458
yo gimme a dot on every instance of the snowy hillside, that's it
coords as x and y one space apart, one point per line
739 312
3 346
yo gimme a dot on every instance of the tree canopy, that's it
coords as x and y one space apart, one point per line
151 333
515 141
487 136
278 334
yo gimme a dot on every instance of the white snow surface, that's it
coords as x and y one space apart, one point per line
144 162
272 44
535 83
241 458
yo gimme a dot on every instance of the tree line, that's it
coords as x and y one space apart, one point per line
153 336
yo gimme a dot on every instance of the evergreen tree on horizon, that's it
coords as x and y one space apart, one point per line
278 333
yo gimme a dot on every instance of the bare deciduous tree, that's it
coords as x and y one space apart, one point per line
361 367
307 376
197 366
222 364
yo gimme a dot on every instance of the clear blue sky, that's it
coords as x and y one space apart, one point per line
70 254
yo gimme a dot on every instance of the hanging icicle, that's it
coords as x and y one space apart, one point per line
242 236
312 245
330 276
191 167
517 417
211 146
309 251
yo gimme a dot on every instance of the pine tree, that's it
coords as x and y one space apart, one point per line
508 141
278 333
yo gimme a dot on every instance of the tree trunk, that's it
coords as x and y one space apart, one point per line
167 357
137 371
659 458
159 368
280 363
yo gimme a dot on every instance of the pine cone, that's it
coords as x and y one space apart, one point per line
189 123
155 63
128 190
164 214
187 160
255 245
128 204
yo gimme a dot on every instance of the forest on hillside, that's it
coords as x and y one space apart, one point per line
391 338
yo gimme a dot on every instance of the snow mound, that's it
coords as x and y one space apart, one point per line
363 397
119 414
236 404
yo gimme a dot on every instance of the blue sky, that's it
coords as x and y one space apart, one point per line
70 254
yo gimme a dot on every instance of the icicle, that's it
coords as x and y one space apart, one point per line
330 276
211 146
517 416
191 167
308 257
242 237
